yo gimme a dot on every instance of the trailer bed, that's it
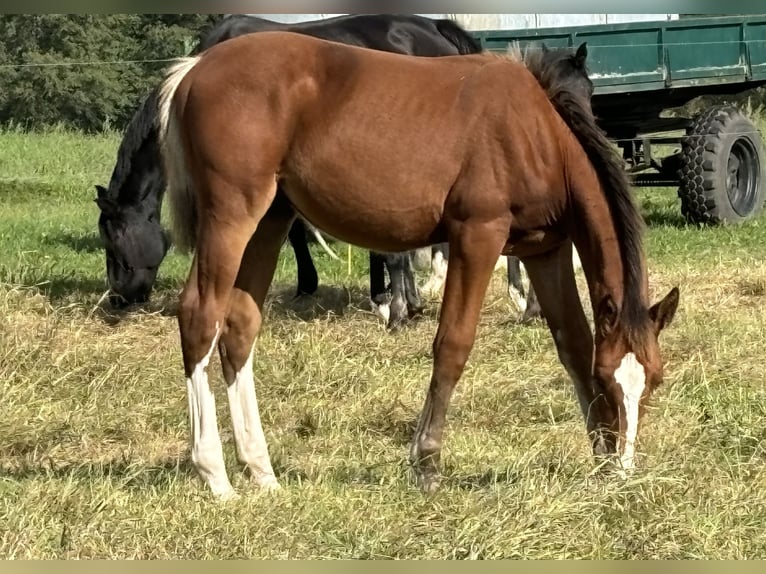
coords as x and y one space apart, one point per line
641 68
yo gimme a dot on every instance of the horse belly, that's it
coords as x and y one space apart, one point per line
380 218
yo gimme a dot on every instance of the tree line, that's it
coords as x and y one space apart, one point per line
87 72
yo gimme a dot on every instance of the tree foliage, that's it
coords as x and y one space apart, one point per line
86 71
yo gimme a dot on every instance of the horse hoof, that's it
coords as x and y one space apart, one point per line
227 496
429 482
268 484
416 312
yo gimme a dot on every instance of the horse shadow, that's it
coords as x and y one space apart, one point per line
660 214
82 242
128 473
329 303
665 218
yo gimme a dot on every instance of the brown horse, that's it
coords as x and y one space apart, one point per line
472 150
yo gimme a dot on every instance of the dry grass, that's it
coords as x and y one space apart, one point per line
93 437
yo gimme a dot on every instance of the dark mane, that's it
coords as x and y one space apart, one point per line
141 126
629 224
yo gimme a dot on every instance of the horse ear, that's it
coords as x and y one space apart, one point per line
581 55
662 313
545 48
100 191
606 316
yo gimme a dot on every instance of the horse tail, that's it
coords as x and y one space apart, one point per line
462 40
180 192
575 110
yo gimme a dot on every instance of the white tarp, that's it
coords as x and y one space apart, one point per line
507 21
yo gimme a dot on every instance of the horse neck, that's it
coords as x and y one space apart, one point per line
595 236
144 163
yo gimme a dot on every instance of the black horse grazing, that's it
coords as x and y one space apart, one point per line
129 224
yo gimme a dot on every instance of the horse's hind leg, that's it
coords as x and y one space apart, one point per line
439 257
243 322
515 284
379 298
396 271
202 309
308 281
552 276
533 310
474 249
414 303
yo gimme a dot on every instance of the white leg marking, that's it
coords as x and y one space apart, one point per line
248 431
438 274
422 258
630 375
383 310
206 449
518 299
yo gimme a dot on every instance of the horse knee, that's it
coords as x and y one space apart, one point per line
451 352
199 328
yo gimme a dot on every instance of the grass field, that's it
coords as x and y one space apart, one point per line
93 433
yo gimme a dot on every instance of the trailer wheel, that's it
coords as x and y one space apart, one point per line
721 168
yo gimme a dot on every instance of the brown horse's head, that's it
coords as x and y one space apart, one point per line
627 368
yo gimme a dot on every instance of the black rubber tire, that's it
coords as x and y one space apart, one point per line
721 168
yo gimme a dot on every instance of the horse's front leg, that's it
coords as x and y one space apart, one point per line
474 249
552 276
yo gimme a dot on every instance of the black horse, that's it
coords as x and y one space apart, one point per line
129 223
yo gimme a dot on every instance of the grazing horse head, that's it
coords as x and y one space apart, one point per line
627 365
129 221
627 370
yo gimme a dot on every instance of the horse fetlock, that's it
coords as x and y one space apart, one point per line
215 477
264 481
398 314
382 310
425 455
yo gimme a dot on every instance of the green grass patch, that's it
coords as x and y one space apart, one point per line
93 439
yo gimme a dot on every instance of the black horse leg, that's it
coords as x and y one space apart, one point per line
395 262
515 284
533 310
378 290
528 305
308 281
414 304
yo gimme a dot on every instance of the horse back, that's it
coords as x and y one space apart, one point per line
337 120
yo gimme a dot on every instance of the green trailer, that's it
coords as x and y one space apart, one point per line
641 70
